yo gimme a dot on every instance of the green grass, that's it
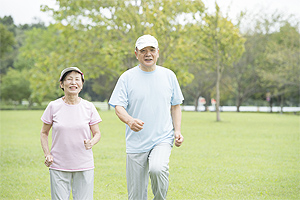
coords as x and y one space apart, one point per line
246 156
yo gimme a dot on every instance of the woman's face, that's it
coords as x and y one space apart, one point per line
72 83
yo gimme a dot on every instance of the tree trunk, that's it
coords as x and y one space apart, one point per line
238 104
238 101
208 100
197 102
196 105
218 94
218 67
30 104
281 104
218 82
271 104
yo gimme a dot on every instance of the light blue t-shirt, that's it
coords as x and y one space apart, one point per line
148 96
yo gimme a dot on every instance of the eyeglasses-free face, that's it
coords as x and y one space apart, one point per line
72 83
147 57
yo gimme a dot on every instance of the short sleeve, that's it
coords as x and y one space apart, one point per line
177 97
47 116
95 117
119 96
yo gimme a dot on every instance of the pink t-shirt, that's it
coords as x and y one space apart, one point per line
70 126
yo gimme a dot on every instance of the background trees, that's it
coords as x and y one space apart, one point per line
14 87
7 41
225 45
211 56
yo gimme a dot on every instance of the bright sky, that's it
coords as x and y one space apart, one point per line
24 11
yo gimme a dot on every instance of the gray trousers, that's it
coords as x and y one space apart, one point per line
154 163
81 182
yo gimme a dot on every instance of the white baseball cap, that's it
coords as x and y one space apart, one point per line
146 41
70 69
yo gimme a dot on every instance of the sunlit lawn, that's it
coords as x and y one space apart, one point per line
246 156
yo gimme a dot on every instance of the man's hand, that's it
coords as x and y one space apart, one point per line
136 125
178 139
49 160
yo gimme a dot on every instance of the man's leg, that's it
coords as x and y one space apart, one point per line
159 170
137 176
60 184
83 185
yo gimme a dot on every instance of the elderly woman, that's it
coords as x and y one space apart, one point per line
70 161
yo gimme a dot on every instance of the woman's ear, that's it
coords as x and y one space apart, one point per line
61 85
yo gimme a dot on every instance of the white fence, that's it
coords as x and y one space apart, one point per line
101 105
243 109
104 106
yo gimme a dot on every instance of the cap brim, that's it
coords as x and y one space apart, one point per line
70 69
146 45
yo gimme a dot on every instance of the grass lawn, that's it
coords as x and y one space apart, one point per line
246 156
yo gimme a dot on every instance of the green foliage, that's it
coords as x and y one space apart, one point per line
278 63
45 49
8 21
118 30
11 42
202 49
99 47
15 86
7 44
225 46
216 45
243 79
222 40
6 40
247 156
283 57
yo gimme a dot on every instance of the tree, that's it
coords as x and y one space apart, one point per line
6 40
283 60
203 78
8 21
13 42
224 45
44 50
279 69
99 37
244 75
15 86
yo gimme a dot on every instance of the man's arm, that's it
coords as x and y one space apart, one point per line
176 117
134 124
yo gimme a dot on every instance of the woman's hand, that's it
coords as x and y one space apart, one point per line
49 160
88 144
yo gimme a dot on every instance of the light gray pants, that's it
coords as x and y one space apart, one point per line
154 163
81 182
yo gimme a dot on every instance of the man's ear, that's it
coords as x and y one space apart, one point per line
135 54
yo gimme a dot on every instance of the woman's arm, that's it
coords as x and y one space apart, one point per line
44 141
96 137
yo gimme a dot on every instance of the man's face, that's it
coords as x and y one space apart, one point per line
147 56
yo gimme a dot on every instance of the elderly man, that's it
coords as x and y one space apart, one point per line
147 99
